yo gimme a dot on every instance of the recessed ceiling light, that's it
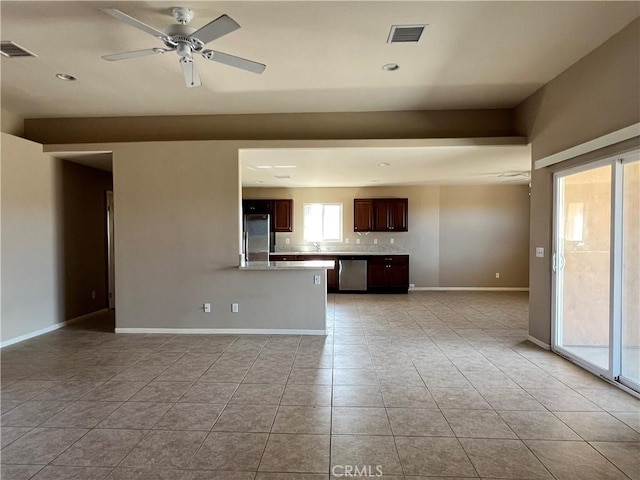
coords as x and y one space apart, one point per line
390 67
66 77
383 164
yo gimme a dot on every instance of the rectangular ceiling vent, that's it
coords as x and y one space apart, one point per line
11 49
406 33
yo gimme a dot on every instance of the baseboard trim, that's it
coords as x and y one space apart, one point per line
48 329
539 343
469 289
224 331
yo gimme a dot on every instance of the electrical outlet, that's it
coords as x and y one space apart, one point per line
207 308
93 294
375 241
539 252
316 279
357 241
497 275
412 285
287 241
234 308
346 240
392 241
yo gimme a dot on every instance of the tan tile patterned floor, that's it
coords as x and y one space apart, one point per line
425 385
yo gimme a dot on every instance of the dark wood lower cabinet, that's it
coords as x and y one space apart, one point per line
388 274
385 273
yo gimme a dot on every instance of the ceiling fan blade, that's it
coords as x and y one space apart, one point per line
134 54
234 61
129 20
215 29
190 71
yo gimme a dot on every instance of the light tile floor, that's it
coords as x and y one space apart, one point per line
425 385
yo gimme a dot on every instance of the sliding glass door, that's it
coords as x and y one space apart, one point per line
630 311
596 267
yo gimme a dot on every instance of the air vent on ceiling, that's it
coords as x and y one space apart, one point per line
406 33
11 49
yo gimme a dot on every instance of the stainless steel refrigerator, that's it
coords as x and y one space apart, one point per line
257 237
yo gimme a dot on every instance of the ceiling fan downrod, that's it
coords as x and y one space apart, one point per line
182 15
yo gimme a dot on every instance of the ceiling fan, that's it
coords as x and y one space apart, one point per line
186 41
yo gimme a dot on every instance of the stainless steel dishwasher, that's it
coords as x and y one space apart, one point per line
352 275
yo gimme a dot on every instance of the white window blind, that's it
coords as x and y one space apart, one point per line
322 222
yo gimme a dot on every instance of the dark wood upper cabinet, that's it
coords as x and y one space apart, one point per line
380 214
281 211
362 215
282 215
256 206
397 213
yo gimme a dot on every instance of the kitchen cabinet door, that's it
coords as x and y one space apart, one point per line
397 213
376 273
362 215
282 215
398 276
388 274
381 215
256 206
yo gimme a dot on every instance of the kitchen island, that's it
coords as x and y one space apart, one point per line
383 272
289 265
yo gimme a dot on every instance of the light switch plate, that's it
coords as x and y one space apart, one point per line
207 308
540 252
316 279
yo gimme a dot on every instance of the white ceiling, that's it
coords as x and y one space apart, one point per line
320 56
360 167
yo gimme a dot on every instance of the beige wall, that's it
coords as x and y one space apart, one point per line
484 230
11 123
597 95
442 219
32 296
84 234
177 230
293 126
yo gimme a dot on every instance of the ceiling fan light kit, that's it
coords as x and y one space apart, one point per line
186 41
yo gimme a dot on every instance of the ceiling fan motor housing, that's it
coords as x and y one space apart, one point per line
179 35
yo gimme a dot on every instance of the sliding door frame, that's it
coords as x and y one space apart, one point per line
613 372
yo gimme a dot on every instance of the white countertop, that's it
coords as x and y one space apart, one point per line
361 254
293 265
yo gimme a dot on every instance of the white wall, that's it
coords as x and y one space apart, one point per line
31 242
